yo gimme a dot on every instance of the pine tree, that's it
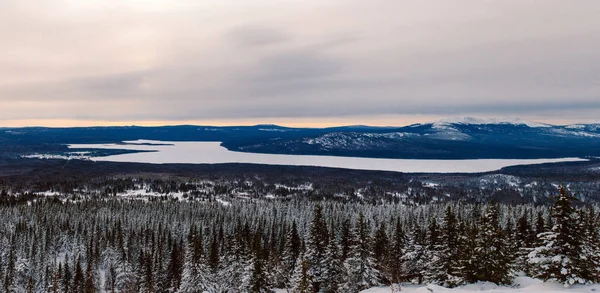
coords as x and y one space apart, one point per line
196 275
290 254
396 251
524 241
381 245
467 259
447 268
175 266
57 276
301 281
316 244
78 278
540 226
559 255
414 260
255 278
345 231
213 257
334 270
432 251
66 281
493 262
9 278
590 246
233 265
360 266
89 286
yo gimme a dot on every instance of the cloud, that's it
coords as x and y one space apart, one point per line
256 36
182 60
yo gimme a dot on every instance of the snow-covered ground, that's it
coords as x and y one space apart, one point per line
522 285
214 153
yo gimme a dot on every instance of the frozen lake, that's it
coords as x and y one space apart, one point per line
213 153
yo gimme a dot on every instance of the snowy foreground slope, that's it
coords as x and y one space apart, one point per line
522 284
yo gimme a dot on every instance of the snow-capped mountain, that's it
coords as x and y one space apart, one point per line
456 138
479 121
453 138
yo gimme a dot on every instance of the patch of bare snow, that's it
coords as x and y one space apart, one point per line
222 202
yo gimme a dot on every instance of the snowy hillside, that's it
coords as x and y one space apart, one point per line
522 285
456 138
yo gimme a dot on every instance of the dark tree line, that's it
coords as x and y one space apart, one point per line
116 245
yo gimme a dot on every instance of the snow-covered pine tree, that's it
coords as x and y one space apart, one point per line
334 271
467 259
78 278
301 282
175 266
316 244
448 268
396 251
360 266
233 265
345 231
255 278
524 241
381 245
413 260
493 262
196 276
591 244
291 251
559 256
9 278
432 251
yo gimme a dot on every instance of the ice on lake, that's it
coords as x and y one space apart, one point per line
214 153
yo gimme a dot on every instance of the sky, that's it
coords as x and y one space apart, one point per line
297 62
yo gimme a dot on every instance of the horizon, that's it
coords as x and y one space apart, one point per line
280 123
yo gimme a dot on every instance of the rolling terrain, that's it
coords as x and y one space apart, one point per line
466 138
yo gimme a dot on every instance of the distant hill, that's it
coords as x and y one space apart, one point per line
465 138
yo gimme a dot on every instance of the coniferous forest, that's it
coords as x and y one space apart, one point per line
121 245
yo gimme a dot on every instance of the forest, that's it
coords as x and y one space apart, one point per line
114 244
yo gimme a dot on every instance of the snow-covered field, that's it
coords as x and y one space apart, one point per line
522 285
214 153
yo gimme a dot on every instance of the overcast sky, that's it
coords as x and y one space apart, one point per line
297 62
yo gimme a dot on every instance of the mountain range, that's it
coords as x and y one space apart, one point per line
465 138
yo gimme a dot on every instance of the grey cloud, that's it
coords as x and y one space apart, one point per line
294 66
256 36
121 82
346 58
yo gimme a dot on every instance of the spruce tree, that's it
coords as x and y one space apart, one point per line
66 280
414 260
396 251
559 256
291 251
255 278
447 269
361 273
592 245
301 280
196 275
381 245
78 278
9 278
175 266
493 261
316 244
524 241
334 271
